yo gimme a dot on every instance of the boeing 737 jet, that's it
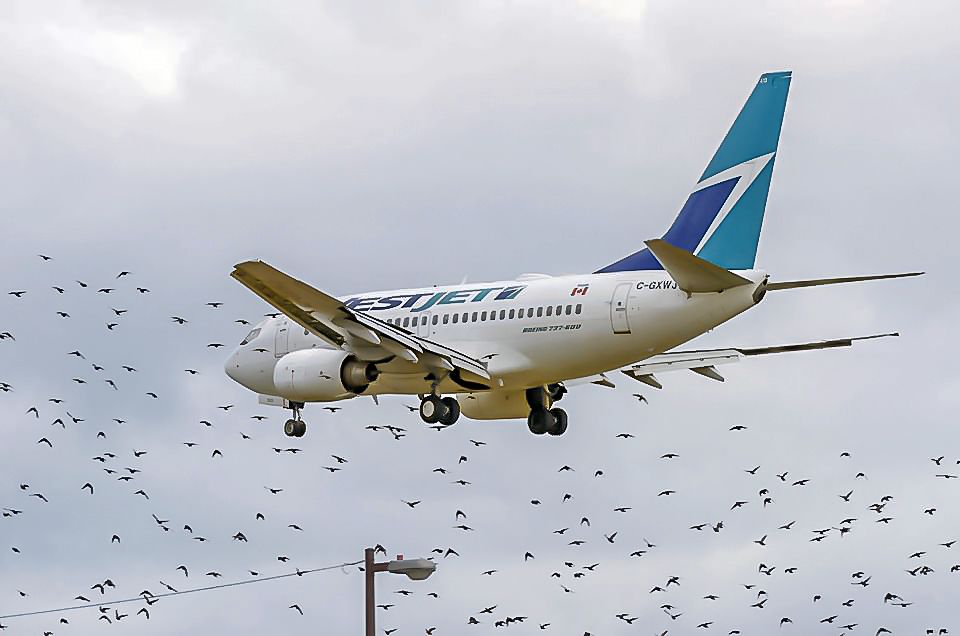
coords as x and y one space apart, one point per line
513 348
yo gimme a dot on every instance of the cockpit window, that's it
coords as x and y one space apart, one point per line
251 336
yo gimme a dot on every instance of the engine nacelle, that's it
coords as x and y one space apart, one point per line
322 375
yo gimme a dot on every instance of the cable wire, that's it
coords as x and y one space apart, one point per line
151 598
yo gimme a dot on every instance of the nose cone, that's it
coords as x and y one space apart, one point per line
232 366
251 369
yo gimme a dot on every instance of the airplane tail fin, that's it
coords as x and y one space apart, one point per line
721 219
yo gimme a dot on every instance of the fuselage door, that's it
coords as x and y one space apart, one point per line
423 326
618 308
282 344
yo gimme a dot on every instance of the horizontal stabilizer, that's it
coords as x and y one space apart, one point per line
815 282
692 273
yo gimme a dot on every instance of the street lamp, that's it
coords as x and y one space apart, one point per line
415 569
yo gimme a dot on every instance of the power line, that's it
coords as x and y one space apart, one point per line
150 599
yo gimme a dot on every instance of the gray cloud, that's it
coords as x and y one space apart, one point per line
364 147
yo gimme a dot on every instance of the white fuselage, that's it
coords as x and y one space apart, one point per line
531 331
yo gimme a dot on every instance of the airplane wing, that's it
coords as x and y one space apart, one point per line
366 336
705 361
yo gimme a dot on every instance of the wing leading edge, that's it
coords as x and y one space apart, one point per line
331 320
705 361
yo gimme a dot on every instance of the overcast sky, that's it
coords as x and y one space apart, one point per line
363 145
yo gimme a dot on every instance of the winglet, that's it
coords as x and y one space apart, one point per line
692 273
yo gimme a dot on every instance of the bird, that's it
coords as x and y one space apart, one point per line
296 607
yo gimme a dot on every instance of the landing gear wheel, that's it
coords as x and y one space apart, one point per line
294 428
453 411
559 422
433 409
540 421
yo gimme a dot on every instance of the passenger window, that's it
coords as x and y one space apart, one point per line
559 309
539 312
406 321
511 314
456 318
550 310
465 318
579 307
530 312
483 315
569 308
435 319
423 320
474 319
446 318
503 314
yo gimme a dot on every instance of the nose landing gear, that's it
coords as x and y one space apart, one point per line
295 427
435 409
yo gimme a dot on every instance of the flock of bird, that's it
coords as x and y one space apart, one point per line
571 555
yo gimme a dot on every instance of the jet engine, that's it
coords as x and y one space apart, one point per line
322 375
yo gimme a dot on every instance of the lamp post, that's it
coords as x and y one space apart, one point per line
415 569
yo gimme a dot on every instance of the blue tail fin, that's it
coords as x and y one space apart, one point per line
721 219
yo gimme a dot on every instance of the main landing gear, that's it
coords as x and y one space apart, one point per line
295 427
437 410
543 418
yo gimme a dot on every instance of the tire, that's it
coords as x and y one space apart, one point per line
432 409
290 428
453 411
539 421
301 429
559 422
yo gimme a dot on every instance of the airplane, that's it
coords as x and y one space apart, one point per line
513 348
